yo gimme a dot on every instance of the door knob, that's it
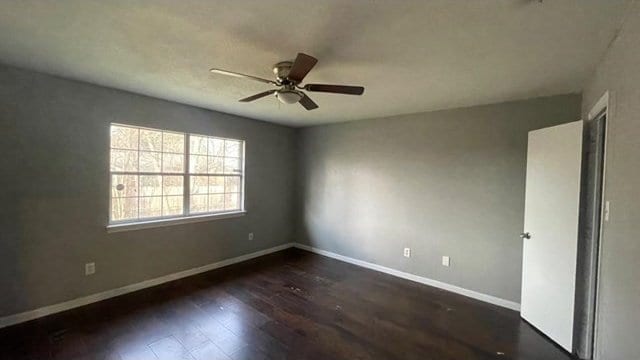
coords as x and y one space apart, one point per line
525 235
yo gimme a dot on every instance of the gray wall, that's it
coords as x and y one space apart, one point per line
443 183
619 297
55 186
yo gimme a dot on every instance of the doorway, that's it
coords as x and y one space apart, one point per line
565 163
591 217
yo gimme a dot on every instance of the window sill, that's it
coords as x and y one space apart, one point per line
173 221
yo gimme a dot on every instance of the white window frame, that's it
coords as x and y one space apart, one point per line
186 217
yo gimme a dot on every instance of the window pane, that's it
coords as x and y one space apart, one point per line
232 184
232 201
216 202
199 184
124 160
232 148
172 205
232 166
197 145
150 185
172 142
216 165
198 164
150 140
216 147
124 185
198 204
150 161
172 163
123 137
216 184
150 206
124 209
172 185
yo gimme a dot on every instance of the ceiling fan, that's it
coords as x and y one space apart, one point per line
289 76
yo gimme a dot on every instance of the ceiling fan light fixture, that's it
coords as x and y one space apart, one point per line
289 96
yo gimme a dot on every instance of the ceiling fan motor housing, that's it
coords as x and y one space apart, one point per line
281 70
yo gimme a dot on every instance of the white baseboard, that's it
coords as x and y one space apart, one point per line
86 300
68 305
423 280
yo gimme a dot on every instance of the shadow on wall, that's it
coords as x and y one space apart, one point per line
12 267
26 247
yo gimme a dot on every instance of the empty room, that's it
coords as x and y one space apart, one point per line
327 179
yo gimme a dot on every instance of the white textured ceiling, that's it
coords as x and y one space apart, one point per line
411 56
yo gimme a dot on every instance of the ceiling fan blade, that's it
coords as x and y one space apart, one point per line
337 89
301 67
307 102
257 96
243 76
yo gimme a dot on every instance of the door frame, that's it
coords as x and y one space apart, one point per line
600 108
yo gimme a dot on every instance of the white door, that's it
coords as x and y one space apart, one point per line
554 160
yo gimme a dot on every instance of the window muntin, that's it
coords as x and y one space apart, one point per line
157 174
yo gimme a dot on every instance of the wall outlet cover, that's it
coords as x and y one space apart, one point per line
407 252
89 268
446 261
250 236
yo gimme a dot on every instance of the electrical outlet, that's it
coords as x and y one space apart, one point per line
407 252
89 268
250 236
607 209
446 261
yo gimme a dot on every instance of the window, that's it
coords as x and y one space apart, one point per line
157 174
215 171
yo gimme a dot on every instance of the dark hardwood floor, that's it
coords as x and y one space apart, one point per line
288 305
